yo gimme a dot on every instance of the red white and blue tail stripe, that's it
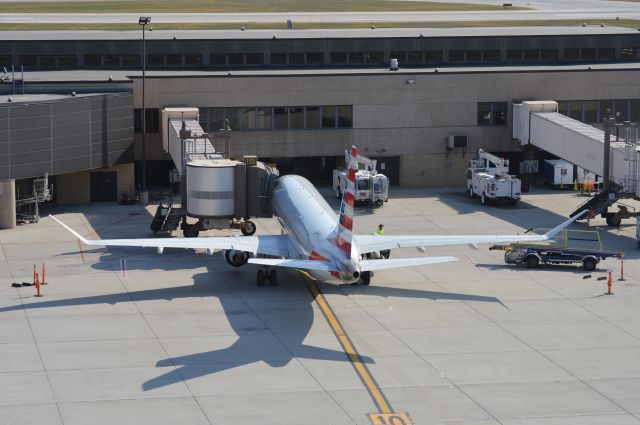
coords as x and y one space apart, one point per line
345 224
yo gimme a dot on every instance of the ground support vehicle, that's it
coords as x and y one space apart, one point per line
488 178
372 188
533 255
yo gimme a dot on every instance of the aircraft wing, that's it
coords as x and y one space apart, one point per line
276 245
372 243
394 263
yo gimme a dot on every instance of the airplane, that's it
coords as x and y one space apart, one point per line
317 240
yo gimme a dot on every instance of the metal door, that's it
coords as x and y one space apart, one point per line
104 186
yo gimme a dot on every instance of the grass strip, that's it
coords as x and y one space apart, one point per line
241 6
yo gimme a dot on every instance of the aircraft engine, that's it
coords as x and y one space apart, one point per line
236 258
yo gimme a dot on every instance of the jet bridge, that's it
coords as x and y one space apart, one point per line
538 123
215 190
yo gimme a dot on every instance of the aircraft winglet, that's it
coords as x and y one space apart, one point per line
76 234
551 233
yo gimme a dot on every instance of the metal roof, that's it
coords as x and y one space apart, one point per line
119 75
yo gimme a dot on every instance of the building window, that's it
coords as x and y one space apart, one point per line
606 55
634 110
110 61
329 116
590 111
338 58
433 56
456 56
492 113
297 117
28 61
217 59
268 118
130 61
514 56
92 61
589 55
155 60
417 57
549 55
313 117
235 59
193 59
630 53
296 58
316 58
344 116
278 58
281 118
255 59
263 119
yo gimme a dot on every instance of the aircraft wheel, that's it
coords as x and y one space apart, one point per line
248 228
260 277
365 278
378 203
385 254
273 278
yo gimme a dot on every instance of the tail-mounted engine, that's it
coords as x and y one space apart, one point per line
236 258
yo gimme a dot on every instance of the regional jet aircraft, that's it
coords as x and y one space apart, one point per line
318 241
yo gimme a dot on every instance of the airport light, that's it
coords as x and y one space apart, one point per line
143 22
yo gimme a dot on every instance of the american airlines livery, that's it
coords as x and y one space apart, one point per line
314 239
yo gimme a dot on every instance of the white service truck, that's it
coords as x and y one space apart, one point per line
488 178
372 188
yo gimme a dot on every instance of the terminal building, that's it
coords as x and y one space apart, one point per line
295 98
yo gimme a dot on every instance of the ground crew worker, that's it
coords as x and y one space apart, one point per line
385 253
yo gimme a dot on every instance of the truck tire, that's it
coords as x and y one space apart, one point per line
532 262
378 203
613 220
589 264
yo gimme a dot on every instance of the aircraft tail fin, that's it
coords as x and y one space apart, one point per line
345 224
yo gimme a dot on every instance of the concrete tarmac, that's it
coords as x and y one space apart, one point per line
184 338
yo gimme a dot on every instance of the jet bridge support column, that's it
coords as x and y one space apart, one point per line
608 122
7 204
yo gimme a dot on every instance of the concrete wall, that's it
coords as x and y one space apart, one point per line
63 135
408 120
74 188
7 204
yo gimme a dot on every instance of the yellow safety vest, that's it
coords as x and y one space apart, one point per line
380 231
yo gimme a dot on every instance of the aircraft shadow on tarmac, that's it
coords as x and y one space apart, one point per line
299 314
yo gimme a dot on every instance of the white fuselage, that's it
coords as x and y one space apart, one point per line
312 225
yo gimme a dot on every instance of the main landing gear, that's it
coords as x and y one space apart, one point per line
365 278
267 274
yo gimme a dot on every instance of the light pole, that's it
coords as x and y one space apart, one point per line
144 196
